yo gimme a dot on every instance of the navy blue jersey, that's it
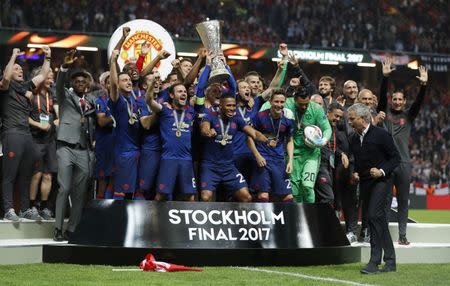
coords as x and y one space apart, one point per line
271 128
173 146
213 150
150 139
240 140
127 135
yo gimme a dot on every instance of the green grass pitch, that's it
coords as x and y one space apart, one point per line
348 274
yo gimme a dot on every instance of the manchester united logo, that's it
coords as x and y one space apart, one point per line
135 43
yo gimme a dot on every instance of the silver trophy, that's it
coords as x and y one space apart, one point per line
210 33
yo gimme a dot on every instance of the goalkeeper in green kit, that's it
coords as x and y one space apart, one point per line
306 159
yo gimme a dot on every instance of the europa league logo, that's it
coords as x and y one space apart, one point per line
210 33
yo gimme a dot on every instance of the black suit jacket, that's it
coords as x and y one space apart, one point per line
377 150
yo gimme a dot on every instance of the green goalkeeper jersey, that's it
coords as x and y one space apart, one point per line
314 115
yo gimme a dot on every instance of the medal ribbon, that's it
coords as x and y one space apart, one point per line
299 121
273 127
47 103
130 108
178 122
224 132
334 141
242 112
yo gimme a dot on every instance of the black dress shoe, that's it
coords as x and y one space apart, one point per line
58 235
388 268
370 269
67 235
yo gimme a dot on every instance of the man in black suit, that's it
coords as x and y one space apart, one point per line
375 158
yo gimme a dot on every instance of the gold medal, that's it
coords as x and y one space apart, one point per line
131 121
223 142
273 143
178 133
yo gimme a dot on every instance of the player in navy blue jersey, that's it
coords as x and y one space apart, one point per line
247 107
150 153
176 121
104 141
271 174
217 158
125 111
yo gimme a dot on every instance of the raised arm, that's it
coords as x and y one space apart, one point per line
423 79
203 79
387 70
7 73
299 73
150 95
69 59
190 77
125 33
163 54
37 80
276 81
149 121
113 76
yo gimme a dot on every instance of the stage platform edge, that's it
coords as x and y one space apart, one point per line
122 256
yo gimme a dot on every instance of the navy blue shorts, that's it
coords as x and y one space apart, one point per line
272 179
148 169
245 164
214 174
172 172
126 172
104 162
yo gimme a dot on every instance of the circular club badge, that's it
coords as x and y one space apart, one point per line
144 32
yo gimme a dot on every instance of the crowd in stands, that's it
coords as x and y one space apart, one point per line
406 25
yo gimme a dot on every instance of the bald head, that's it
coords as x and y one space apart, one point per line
317 98
350 89
365 97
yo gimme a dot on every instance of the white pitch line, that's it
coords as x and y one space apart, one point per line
305 276
127 270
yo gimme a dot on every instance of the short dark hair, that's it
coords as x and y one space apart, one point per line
186 60
329 79
127 67
251 73
333 106
301 92
277 91
172 87
227 95
121 73
78 73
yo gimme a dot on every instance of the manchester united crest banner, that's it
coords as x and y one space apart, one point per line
148 34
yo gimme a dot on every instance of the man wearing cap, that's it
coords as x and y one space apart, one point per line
74 153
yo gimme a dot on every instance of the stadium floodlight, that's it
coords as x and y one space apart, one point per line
237 57
333 63
276 59
369 65
88 49
37 46
186 54
414 65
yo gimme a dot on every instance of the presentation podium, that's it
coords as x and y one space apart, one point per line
205 234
